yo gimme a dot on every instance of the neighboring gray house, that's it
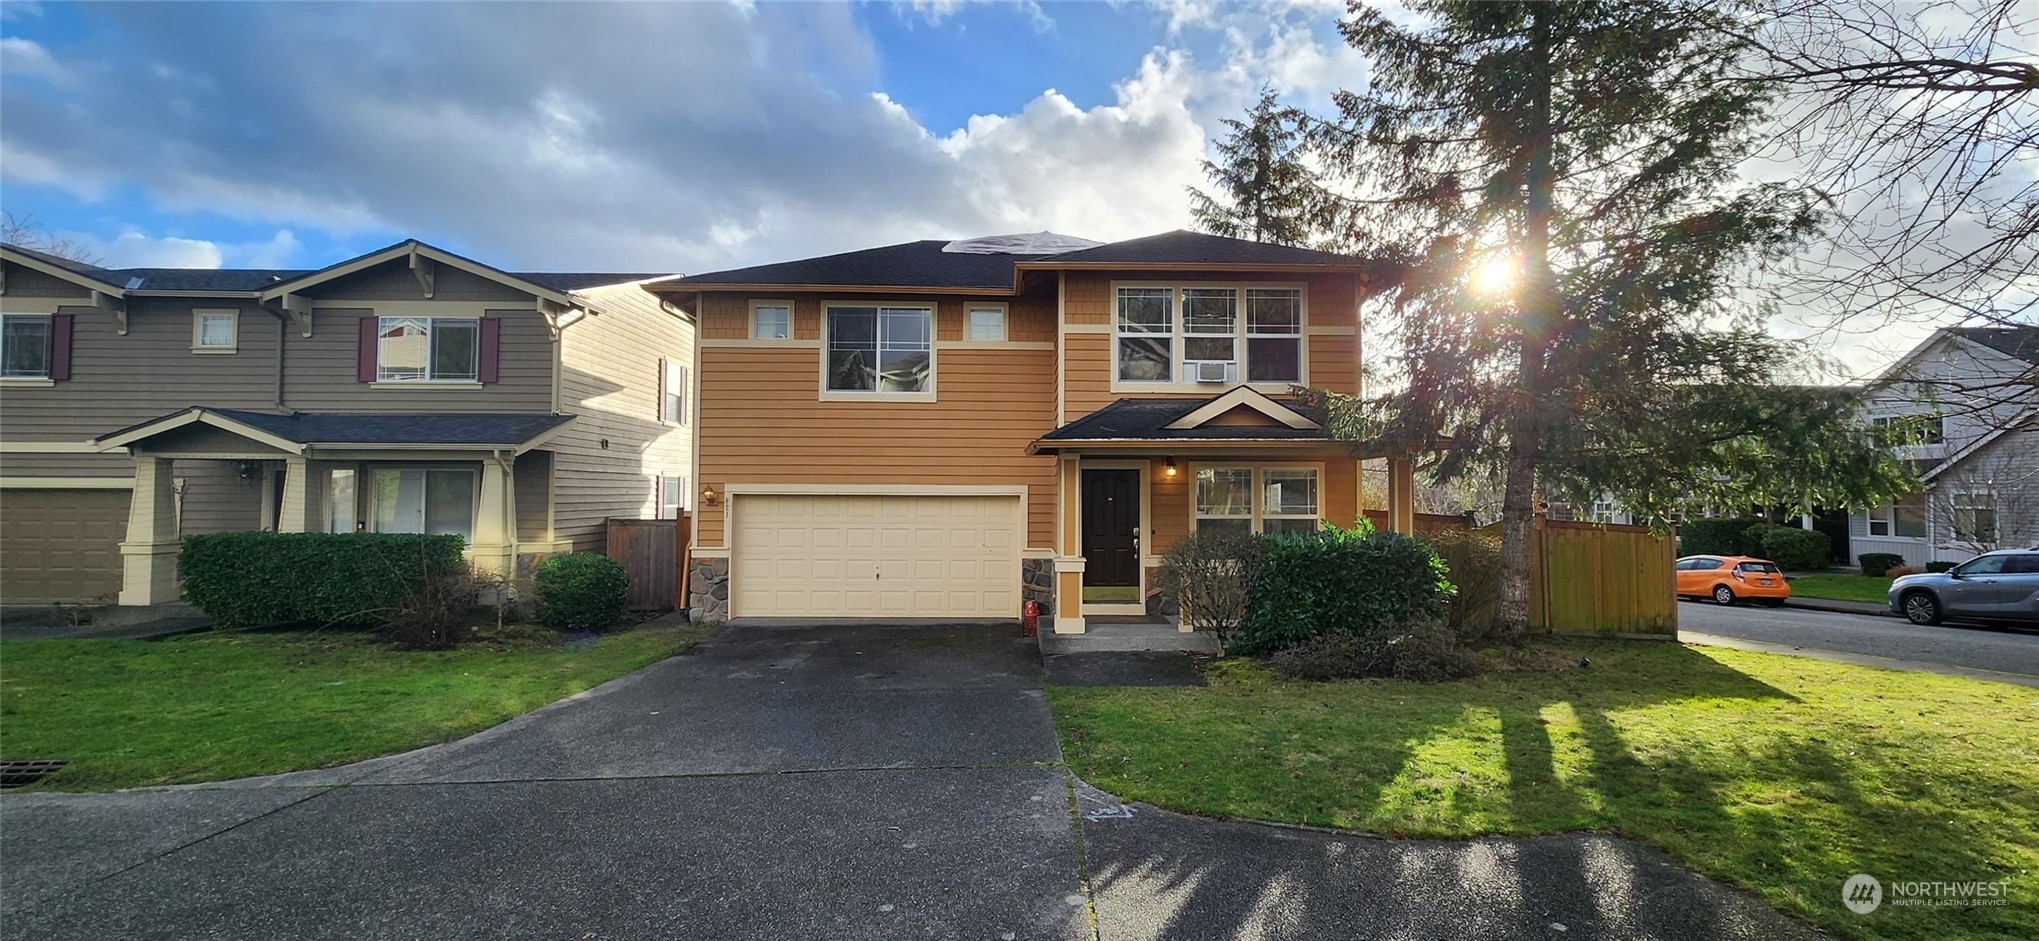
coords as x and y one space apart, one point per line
407 390
1976 391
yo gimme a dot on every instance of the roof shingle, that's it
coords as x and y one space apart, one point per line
2021 342
1148 420
433 428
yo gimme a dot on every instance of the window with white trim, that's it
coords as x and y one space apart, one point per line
984 325
340 506
1931 427
423 500
25 346
215 331
1905 518
1975 517
428 349
1879 521
672 392
880 349
1258 499
771 321
672 496
1260 340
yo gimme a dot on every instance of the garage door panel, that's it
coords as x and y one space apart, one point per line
875 556
61 546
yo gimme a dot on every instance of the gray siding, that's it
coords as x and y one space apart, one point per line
534 494
28 282
215 498
394 281
319 371
117 381
80 464
610 379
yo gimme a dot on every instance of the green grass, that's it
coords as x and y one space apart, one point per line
1781 774
204 707
1840 587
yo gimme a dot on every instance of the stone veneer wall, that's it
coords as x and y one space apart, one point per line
708 591
1037 583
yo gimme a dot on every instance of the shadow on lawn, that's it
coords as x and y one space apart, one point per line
1806 832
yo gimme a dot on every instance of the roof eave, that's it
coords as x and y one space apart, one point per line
1051 445
58 271
705 287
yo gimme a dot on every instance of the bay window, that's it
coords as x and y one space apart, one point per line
1256 331
880 349
1257 499
428 349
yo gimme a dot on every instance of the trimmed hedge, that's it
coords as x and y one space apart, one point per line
1340 581
1875 564
581 591
259 579
1793 549
1721 535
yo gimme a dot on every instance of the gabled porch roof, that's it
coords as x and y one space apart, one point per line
1241 416
294 433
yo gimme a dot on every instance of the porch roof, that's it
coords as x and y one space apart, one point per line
1157 420
297 430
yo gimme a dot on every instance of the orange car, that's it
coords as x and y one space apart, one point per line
1731 578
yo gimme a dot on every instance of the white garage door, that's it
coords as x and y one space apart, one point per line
875 556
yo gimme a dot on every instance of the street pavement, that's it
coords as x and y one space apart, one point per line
1981 651
791 783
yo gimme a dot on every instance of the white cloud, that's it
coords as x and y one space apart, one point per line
27 57
138 250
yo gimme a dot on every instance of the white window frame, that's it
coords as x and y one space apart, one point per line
673 381
382 323
233 345
877 395
1180 378
1257 493
669 508
367 477
1886 515
48 325
1966 502
1934 424
757 305
970 312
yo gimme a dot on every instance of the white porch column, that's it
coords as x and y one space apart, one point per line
148 557
1401 495
495 518
297 496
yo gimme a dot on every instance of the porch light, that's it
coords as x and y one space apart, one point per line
1168 467
708 496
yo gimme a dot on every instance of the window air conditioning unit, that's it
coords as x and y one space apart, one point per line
1217 371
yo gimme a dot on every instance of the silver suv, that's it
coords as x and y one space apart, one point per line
1994 586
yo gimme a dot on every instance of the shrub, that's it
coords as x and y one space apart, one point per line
1795 550
437 615
1472 560
1937 567
1901 571
1422 649
1339 581
1721 535
1875 564
581 591
1212 574
258 579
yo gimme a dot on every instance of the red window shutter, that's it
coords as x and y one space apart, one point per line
364 357
491 341
60 347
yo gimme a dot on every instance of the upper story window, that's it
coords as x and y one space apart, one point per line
771 320
215 331
1931 428
428 349
984 324
880 349
25 346
672 392
1209 334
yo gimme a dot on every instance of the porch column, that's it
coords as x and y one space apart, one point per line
495 518
295 513
1069 550
1401 494
148 557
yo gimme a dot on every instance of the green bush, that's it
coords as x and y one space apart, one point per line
1937 567
581 591
1721 535
259 579
1472 560
1211 575
1796 550
1339 581
1875 564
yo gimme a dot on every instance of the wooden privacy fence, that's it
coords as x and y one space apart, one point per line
654 552
1601 578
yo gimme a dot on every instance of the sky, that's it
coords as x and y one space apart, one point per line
635 137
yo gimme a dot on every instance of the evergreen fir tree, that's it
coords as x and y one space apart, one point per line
1266 190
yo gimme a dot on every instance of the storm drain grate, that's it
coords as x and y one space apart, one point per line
16 772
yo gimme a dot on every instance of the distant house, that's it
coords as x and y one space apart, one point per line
407 390
1975 393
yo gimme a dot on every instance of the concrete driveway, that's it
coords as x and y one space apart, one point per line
836 782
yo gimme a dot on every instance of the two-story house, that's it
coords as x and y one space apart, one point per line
406 390
1974 393
947 429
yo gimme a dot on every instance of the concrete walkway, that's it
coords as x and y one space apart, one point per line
841 782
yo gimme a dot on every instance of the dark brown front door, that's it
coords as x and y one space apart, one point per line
1111 528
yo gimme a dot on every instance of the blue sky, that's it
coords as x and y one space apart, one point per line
655 137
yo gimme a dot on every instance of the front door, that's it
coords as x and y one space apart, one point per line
1111 531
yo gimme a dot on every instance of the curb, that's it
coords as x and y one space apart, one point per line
1839 607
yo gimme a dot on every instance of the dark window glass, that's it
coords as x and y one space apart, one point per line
25 346
1274 360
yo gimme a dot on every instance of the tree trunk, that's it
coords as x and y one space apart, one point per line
1539 309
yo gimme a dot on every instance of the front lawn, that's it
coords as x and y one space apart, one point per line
205 707
1783 774
1841 587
